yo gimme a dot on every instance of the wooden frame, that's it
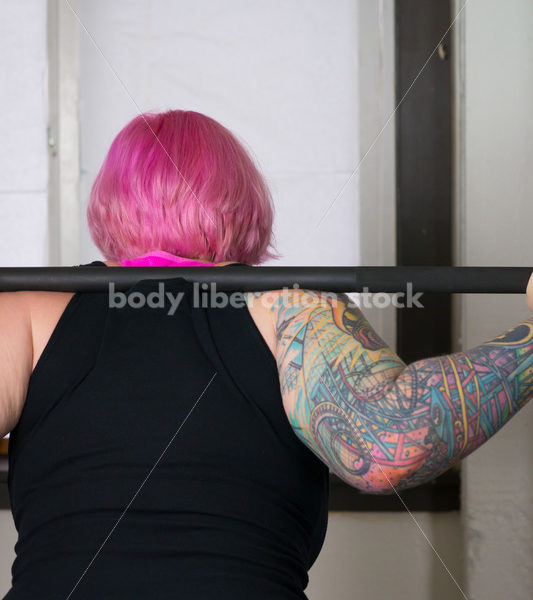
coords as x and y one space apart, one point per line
424 169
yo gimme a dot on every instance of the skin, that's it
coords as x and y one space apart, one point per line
378 423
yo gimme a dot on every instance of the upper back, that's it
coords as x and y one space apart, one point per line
117 389
27 322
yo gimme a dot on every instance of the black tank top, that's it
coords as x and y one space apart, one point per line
131 477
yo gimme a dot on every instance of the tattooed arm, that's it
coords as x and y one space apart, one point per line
375 421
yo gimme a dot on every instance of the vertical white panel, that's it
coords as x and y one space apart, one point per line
376 169
23 101
23 167
495 182
63 136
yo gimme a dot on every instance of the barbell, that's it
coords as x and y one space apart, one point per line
427 279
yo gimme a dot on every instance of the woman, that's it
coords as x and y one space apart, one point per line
186 455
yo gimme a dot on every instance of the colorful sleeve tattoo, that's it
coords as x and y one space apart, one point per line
377 422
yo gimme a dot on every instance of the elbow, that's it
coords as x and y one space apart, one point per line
382 491
374 489
381 481
388 488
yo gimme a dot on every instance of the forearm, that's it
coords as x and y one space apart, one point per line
464 398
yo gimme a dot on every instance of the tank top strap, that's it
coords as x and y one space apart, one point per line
235 346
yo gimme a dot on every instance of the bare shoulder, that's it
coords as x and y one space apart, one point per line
270 307
262 310
16 351
27 319
15 321
277 304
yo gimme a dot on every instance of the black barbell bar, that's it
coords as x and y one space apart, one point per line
427 279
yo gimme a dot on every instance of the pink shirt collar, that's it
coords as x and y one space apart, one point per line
160 258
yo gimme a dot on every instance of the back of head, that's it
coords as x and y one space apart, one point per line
179 181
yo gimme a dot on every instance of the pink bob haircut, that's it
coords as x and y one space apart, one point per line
193 191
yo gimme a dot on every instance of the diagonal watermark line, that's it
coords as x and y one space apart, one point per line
358 167
419 526
140 487
361 437
138 109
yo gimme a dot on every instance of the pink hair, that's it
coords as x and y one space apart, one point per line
194 191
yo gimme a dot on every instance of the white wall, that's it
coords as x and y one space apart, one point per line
281 74
496 216
8 538
374 556
24 166
23 151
